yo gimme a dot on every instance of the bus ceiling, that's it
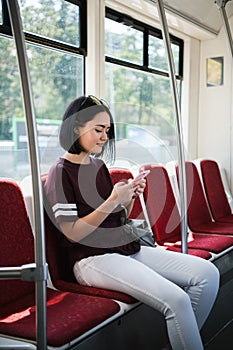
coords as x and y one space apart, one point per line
201 14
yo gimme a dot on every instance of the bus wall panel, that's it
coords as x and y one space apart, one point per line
215 105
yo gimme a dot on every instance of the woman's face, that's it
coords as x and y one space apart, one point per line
94 135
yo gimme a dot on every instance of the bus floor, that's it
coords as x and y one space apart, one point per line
223 340
217 333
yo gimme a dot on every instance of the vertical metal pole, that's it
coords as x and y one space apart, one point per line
35 169
221 5
227 28
176 106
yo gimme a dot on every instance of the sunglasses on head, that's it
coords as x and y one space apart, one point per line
94 100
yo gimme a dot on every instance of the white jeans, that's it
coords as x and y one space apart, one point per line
182 287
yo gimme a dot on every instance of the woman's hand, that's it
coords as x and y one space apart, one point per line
139 186
123 192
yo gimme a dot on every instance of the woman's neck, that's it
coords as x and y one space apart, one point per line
82 158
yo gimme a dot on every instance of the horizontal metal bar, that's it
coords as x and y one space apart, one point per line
28 272
10 272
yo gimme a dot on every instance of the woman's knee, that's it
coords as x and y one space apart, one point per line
209 272
178 303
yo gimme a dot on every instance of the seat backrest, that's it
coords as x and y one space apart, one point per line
214 189
56 258
198 210
16 241
119 174
161 205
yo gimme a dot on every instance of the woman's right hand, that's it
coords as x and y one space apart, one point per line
122 193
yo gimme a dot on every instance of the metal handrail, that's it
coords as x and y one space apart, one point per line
41 319
221 5
179 134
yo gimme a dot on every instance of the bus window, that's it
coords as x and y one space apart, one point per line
56 64
138 89
63 24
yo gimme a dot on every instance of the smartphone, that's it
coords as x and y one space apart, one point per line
142 175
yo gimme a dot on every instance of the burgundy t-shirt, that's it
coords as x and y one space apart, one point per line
75 190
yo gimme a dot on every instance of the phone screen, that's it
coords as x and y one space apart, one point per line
142 175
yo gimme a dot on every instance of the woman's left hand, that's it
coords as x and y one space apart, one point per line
139 187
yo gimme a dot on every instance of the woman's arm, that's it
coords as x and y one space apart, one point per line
121 195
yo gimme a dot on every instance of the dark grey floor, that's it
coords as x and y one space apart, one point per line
223 340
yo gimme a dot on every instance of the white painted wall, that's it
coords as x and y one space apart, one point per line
215 106
190 96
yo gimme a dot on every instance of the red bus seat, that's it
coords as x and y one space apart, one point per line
69 315
214 189
199 216
165 217
120 174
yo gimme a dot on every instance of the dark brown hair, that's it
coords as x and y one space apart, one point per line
77 114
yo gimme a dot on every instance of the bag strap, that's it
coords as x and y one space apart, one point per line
144 210
124 215
143 205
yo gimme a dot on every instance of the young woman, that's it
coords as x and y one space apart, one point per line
88 209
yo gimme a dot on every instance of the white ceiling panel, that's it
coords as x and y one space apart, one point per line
199 18
203 12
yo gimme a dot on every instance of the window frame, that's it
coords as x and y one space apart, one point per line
19 157
146 30
6 29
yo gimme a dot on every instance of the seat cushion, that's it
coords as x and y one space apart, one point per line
212 243
69 316
196 252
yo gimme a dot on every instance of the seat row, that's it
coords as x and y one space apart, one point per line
75 312
71 315
210 221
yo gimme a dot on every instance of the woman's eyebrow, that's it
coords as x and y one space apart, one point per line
103 126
